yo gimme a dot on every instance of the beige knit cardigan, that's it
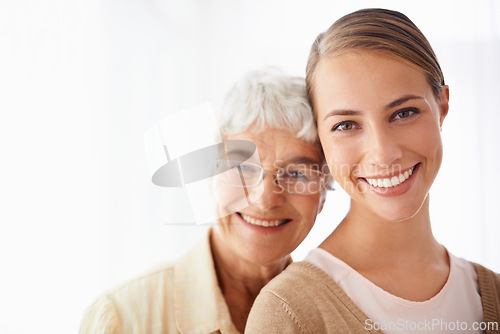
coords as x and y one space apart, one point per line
304 299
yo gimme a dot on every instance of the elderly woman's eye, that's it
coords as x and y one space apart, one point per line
296 174
248 169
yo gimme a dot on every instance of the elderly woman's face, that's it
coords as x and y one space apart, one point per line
275 222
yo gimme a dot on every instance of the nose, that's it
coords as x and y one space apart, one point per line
383 147
271 195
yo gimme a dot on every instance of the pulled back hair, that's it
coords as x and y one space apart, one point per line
266 99
384 30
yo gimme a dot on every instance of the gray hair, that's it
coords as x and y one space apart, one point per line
268 99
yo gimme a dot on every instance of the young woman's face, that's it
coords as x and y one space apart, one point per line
379 124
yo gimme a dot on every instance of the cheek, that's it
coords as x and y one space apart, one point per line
229 199
427 141
306 207
341 156
223 224
434 146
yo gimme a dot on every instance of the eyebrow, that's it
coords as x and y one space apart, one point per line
242 153
393 104
402 100
301 160
341 112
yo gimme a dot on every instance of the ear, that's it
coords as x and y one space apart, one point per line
444 98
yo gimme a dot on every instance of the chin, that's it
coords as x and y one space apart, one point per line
401 218
401 214
262 258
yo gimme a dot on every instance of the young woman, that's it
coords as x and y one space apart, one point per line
380 100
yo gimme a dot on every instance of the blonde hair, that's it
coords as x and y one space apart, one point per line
381 30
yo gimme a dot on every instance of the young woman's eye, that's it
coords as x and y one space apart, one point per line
343 126
405 113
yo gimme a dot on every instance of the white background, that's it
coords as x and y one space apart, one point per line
82 81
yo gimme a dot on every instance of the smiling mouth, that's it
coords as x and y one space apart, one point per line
393 181
264 223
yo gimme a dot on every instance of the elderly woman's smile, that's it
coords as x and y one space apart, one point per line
265 222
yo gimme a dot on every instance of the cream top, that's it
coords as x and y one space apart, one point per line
182 297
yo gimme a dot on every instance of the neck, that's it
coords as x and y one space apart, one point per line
402 258
381 243
241 280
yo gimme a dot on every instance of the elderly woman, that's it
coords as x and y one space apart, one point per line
212 288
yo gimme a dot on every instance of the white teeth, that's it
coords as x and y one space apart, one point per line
265 223
391 182
387 183
395 181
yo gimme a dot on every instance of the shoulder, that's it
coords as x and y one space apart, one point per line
487 278
292 280
304 299
101 317
489 290
148 302
113 310
282 303
145 287
303 281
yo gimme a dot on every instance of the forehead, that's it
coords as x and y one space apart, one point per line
364 79
281 145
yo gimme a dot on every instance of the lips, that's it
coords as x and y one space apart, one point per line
262 222
393 181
